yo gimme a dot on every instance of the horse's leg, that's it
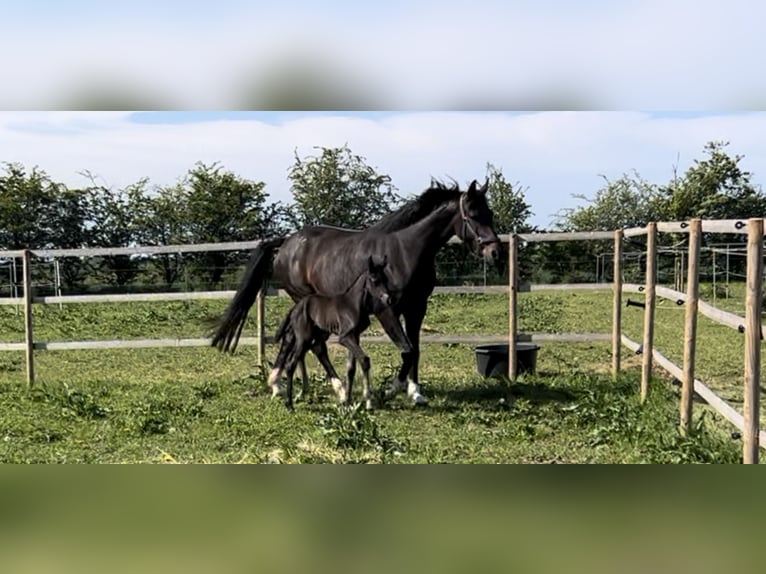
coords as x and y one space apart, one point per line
351 342
299 350
289 392
407 378
320 350
350 372
304 392
413 320
288 345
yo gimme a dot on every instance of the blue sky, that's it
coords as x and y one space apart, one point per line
553 155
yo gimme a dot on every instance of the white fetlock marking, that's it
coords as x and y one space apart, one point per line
276 389
413 392
339 388
369 404
274 376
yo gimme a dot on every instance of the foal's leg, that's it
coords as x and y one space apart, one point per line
350 371
304 392
291 364
300 348
283 357
320 350
351 342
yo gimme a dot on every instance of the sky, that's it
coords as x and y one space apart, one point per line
600 59
552 155
339 54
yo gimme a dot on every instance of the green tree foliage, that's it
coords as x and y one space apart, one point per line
629 201
508 203
28 208
339 188
164 221
72 217
115 221
715 187
222 207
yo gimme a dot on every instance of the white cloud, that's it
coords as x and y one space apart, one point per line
554 154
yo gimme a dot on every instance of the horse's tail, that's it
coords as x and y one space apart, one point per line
229 327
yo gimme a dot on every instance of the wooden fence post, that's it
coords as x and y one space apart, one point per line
260 312
617 305
513 312
690 326
753 340
651 283
28 336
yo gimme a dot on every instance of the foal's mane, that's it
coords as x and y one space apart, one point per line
437 195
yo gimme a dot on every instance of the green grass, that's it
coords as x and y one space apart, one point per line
197 405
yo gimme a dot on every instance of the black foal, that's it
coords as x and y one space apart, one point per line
314 318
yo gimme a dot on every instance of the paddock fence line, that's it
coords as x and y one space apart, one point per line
749 325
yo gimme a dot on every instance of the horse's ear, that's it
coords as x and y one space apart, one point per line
371 263
472 187
484 188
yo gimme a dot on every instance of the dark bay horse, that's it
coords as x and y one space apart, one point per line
327 260
315 317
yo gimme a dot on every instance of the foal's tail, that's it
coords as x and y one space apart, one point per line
282 330
229 327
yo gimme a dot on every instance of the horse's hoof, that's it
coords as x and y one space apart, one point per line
370 404
277 391
413 392
394 389
418 399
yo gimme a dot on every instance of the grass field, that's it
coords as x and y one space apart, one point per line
197 405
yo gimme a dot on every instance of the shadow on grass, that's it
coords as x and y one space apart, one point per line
491 391
540 389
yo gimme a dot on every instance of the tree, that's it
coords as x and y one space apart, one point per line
714 188
223 207
28 202
508 203
339 188
164 220
629 201
115 222
70 231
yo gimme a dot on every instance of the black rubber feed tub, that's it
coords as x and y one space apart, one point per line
492 360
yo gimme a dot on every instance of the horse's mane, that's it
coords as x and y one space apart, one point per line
435 196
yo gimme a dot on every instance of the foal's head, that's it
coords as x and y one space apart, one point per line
378 295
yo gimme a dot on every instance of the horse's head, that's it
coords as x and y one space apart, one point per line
376 283
474 224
